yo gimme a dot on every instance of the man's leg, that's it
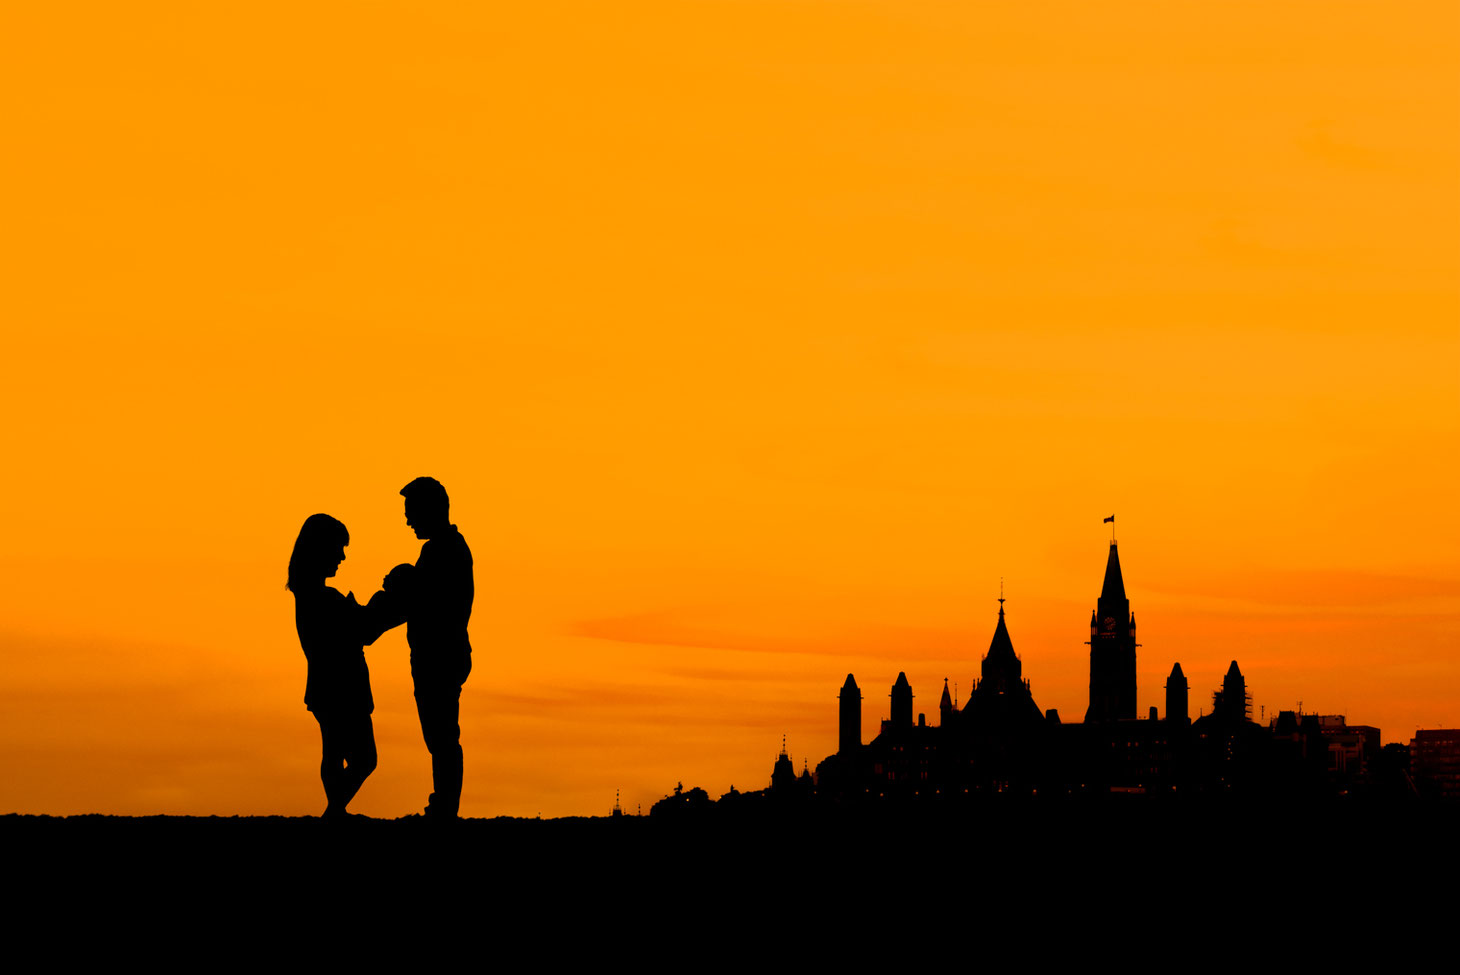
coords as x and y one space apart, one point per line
439 707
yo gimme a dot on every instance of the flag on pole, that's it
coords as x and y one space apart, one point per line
1108 520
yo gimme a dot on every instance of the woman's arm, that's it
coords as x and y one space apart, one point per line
384 611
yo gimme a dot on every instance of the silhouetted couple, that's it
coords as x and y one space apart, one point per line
433 598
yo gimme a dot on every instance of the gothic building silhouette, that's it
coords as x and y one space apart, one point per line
999 741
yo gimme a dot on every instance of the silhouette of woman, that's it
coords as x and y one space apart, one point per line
333 631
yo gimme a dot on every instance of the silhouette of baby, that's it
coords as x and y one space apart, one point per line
400 580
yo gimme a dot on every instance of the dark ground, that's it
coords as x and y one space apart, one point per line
1158 885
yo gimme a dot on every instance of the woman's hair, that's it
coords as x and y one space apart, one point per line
317 542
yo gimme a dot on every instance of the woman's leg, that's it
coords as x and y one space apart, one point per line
359 755
331 764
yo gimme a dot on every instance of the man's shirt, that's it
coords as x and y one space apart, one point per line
442 592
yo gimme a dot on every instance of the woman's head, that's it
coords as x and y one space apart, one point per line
318 552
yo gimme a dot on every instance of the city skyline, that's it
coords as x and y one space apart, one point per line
998 740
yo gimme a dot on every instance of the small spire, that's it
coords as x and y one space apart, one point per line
1001 595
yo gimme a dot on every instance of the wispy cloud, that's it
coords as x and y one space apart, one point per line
778 632
1325 588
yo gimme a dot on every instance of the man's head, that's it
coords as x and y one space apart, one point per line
427 507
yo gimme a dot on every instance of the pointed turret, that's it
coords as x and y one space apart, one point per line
902 702
1001 697
1235 704
1001 662
945 706
1177 704
783 774
849 738
1231 705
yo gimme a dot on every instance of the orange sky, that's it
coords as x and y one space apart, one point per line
755 341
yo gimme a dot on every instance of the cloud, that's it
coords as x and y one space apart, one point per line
1325 588
781 632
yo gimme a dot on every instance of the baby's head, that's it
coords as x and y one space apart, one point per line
400 578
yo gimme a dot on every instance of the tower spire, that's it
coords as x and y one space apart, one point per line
1112 646
1001 657
1112 590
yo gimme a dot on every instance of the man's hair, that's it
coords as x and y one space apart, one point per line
427 491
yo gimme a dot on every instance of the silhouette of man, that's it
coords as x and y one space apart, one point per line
439 596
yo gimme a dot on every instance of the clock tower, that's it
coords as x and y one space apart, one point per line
1112 649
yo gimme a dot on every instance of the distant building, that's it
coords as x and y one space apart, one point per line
1327 746
1434 762
680 803
783 776
1353 750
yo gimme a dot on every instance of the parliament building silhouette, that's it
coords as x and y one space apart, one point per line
1000 742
